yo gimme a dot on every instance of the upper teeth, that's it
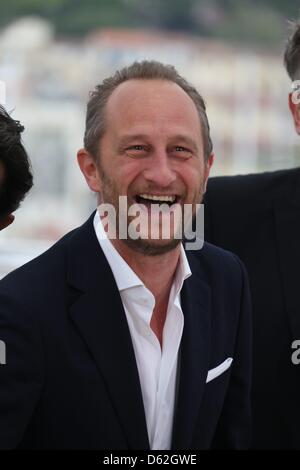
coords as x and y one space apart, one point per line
158 198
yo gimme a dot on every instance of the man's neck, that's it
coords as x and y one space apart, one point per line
156 272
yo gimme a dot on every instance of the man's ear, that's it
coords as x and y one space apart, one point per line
295 110
89 169
8 219
208 165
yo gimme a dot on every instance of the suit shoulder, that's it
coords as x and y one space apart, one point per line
252 186
39 270
219 255
218 261
48 271
39 287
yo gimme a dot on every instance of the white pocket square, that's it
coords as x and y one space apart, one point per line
216 371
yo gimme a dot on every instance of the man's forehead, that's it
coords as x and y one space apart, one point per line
133 90
136 102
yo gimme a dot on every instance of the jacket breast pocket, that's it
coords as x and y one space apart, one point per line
218 370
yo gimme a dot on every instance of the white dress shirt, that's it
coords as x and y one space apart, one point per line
157 367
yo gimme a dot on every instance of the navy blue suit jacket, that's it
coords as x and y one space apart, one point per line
70 378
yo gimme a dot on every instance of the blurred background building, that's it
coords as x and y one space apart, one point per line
52 55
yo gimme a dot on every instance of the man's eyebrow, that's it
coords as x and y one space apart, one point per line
127 139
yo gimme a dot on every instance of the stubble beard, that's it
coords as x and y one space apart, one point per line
147 247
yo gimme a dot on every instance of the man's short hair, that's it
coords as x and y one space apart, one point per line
292 53
17 179
145 70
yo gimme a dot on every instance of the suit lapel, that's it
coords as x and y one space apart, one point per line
99 317
195 353
287 216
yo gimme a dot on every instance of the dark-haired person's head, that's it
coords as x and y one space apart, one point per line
15 172
292 65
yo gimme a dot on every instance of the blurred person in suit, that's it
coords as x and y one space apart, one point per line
130 343
15 172
257 216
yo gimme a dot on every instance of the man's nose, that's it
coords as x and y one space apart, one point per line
159 170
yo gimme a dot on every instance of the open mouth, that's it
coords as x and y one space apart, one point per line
148 199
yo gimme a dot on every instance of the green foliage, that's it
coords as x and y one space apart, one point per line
260 21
